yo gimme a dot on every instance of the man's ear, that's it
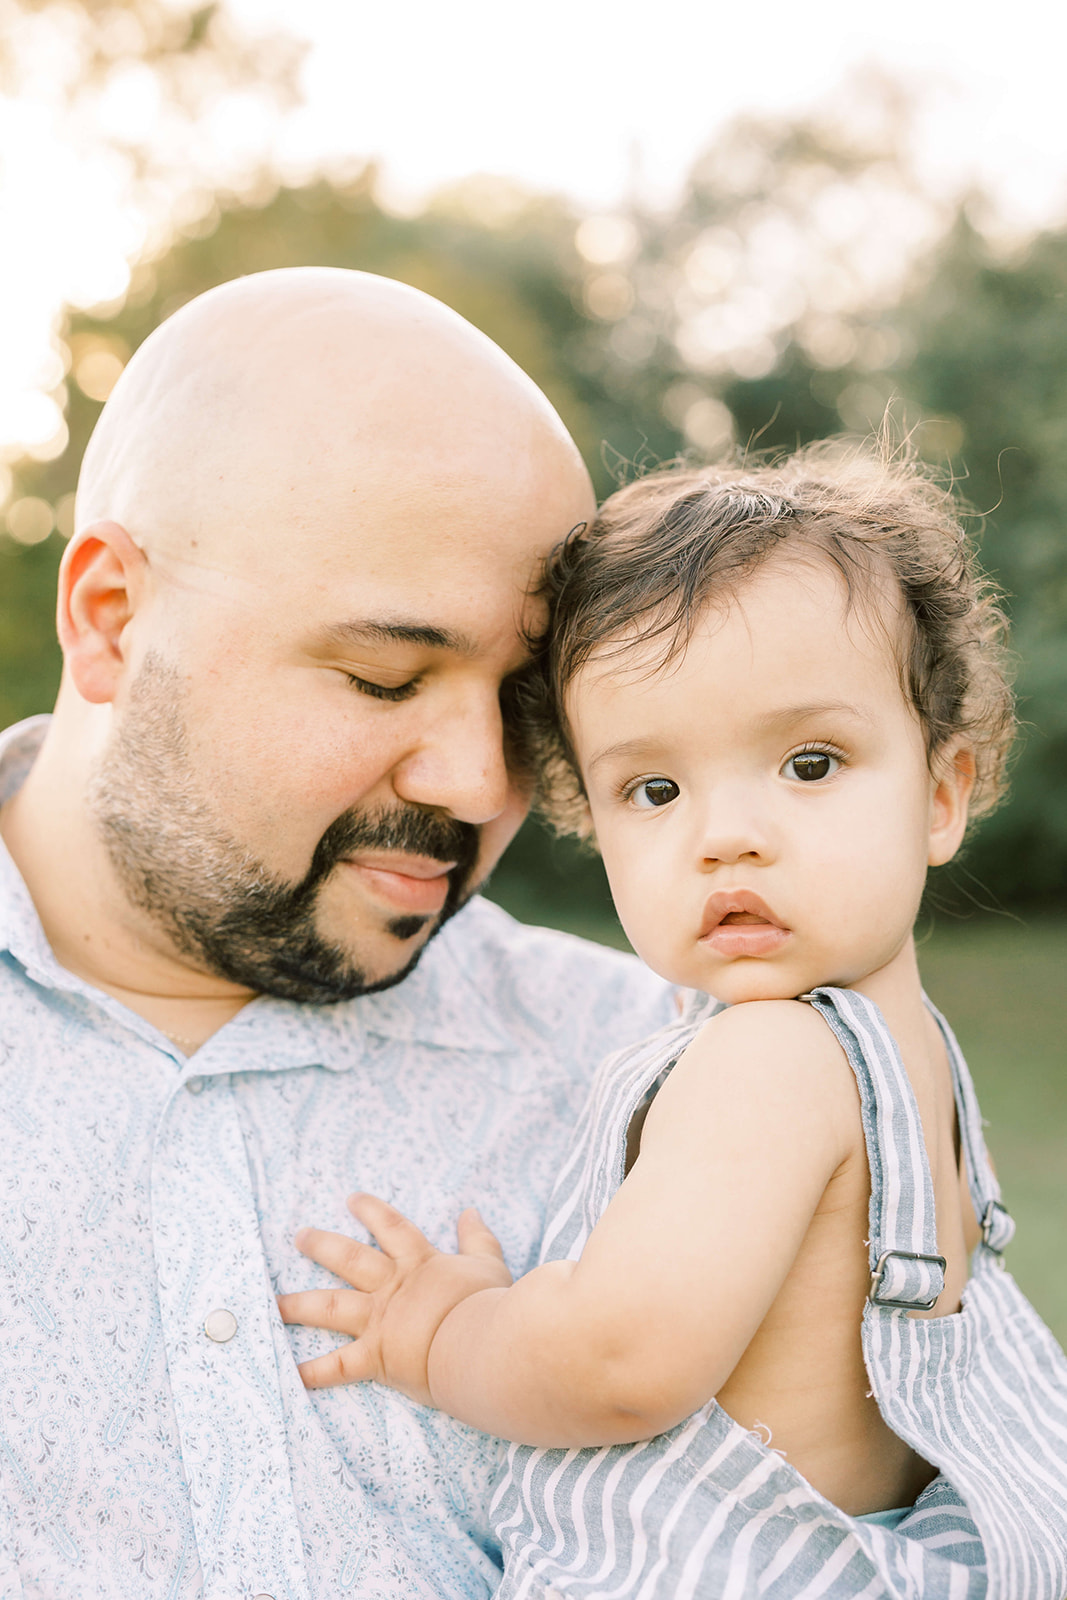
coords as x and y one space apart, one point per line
954 774
102 581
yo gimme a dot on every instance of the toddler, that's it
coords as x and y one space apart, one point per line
770 1348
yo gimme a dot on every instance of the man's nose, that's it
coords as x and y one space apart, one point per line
458 765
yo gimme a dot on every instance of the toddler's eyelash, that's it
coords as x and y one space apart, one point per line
816 747
626 789
628 786
379 691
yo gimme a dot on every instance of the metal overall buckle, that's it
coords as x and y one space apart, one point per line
903 1255
989 1224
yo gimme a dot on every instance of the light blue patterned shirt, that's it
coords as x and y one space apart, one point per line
143 1197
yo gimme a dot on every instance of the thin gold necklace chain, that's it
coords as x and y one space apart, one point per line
182 1039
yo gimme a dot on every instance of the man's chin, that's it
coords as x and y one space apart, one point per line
392 965
400 948
328 982
311 959
412 935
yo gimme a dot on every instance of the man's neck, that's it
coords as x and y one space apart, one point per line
93 930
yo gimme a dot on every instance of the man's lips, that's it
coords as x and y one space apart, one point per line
417 885
737 922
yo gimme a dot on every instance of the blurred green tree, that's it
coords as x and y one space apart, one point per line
779 301
972 361
804 285
80 65
504 259
990 371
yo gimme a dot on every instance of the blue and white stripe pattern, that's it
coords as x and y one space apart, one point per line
708 1510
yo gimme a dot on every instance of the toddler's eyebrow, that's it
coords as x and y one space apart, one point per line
786 715
625 747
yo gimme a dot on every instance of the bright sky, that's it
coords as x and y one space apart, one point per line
561 92
583 97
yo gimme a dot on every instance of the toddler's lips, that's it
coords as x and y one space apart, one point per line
739 923
415 884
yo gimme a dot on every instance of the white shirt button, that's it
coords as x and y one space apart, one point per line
195 1085
221 1326
262 1597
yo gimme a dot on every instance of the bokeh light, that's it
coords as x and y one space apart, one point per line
123 126
30 520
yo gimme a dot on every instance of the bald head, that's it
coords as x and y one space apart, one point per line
309 531
276 397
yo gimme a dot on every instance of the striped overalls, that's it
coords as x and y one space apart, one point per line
709 1510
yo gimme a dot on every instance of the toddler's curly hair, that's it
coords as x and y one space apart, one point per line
674 542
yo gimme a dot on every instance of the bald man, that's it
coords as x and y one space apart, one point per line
308 528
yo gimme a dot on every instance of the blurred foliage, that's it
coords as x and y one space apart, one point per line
802 283
194 51
991 362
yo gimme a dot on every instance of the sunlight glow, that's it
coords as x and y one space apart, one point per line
591 101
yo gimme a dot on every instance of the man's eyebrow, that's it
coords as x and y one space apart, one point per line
368 630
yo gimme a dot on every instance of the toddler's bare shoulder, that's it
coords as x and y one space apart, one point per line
774 1039
766 1073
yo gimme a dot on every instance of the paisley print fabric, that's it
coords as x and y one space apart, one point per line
141 1459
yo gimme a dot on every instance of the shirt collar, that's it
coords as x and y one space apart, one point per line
438 1004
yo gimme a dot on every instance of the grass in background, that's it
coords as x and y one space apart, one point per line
1002 983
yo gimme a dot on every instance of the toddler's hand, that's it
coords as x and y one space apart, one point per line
399 1296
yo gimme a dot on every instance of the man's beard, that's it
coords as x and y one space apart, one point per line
219 905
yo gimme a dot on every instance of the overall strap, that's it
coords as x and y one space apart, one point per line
906 1271
996 1222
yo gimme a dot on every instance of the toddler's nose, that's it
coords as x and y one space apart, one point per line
734 829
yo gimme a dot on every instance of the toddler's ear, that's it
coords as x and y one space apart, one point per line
954 774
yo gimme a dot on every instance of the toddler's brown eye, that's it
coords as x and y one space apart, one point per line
811 765
655 792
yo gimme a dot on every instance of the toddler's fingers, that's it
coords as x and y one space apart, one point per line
340 1310
475 1239
395 1234
359 1264
349 1363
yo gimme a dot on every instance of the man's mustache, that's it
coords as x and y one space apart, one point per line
410 830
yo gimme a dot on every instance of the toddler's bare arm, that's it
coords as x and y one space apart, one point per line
675 1279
